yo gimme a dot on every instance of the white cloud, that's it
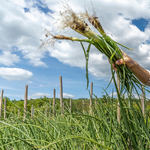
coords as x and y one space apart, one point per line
69 53
24 30
38 95
29 82
65 95
114 94
8 59
119 27
48 85
15 74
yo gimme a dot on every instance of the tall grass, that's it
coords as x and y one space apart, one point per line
76 131
85 131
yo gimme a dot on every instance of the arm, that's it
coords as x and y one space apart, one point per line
142 74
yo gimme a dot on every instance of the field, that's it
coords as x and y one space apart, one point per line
94 127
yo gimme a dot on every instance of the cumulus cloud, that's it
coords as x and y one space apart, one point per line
23 29
48 85
29 82
68 53
66 95
15 74
134 95
8 59
117 22
38 95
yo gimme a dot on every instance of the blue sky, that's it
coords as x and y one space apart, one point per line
21 63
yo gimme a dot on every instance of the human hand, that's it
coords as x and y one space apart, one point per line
126 59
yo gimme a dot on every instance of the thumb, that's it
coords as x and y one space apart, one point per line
119 62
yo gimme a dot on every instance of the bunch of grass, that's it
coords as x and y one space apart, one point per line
103 43
75 131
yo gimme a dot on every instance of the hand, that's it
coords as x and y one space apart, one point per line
128 61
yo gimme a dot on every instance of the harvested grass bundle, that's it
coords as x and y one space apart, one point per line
102 42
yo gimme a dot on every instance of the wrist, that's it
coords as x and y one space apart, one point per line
131 63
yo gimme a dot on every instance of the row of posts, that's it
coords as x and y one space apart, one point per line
32 109
61 101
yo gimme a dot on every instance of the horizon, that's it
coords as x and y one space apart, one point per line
22 63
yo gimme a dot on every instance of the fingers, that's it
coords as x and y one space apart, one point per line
119 62
113 66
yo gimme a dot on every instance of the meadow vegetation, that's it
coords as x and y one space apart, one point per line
76 130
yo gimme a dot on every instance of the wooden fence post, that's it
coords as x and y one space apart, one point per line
70 105
143 100
5 108
32 112
18 113
25 101
91 97
83 106
118 105
1 102
61 94
46 111
50 111
54 102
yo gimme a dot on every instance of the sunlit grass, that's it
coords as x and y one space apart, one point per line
99 130
84 131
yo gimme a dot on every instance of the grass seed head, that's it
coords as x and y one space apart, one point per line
47 41
68 18
93 20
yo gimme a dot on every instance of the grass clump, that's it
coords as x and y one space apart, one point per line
97 130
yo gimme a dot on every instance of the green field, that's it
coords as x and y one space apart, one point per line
77 130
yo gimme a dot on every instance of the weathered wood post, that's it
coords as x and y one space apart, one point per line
70 105
83 106
25 101
143 100
18 113
91 94
118 105
46 111
32 109
1 102
61 94
54 92
50 111
5 108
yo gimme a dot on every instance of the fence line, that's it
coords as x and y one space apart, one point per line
62 103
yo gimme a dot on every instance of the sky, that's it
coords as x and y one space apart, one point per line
22 25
